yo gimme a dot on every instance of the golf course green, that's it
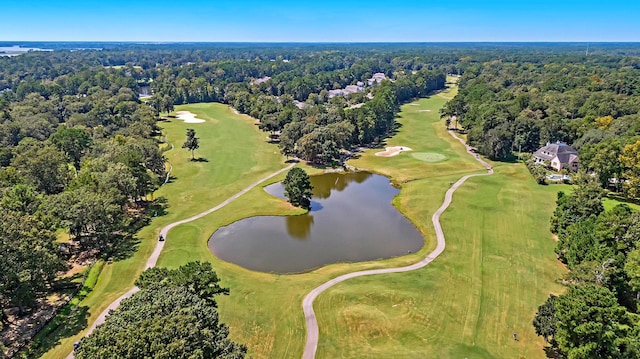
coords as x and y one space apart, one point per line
429 156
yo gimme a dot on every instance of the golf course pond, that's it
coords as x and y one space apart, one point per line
351 220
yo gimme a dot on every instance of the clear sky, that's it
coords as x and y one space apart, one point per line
320 21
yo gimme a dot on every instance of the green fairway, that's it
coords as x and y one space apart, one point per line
413 314
499 264
264 310
236 154
498 267
487 283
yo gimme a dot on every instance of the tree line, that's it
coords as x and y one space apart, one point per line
597 317
593 105
77 154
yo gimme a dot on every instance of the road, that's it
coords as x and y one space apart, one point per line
311 345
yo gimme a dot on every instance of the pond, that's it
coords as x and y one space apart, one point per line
351 220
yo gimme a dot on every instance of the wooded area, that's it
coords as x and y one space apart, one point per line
80 150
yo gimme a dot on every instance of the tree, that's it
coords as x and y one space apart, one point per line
173 316
73 142
166 104
93 218
297 188
199 278
43 166
632 269
545 321
604 159
290 134
192 143
161 322
582 203
591 323
29 258
630 158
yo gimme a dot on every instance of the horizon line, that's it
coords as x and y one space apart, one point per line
320 42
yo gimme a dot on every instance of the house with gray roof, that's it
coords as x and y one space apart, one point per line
558 156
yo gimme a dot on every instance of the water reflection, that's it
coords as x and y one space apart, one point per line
351 220
299 226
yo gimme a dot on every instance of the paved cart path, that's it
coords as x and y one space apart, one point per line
307 304
153 259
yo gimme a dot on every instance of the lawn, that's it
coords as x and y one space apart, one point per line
487 284
496 279
237 154
498 267
264 310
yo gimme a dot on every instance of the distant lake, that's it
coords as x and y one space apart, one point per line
351 220
18 50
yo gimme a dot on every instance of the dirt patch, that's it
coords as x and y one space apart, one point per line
188 117
392 151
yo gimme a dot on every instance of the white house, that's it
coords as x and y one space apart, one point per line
559 155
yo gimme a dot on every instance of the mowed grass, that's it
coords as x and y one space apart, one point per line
356 319
264 310
498 267
420 128
237 155
439 311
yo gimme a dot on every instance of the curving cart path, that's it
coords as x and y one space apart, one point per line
307 304
153 259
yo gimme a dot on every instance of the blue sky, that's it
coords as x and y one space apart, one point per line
320 21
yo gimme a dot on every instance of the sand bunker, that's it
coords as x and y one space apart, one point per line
188 117
392 151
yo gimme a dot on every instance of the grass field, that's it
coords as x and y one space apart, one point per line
498 266
496 279
237 155
264 310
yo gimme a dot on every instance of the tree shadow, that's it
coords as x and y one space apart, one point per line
199 159
621 198
159 207
293 160
67 283
171 179
70 321
163 119
394 130
551 352
122 248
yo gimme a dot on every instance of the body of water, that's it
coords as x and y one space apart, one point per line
351 220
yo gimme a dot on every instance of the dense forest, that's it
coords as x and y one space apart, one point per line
80 149
592 104
597 317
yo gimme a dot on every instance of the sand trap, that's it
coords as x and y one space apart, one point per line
392 151
188 117
424 110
